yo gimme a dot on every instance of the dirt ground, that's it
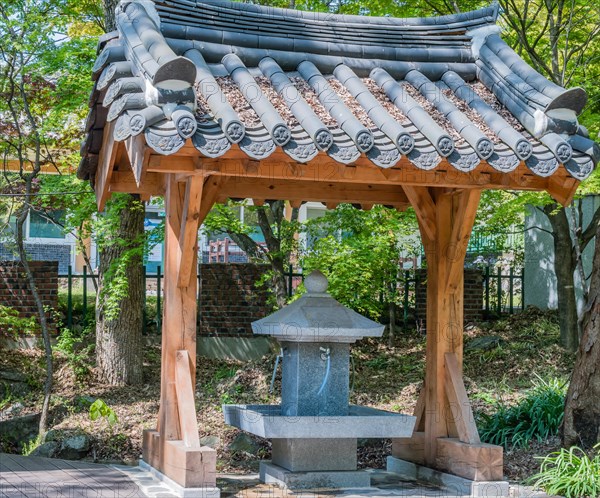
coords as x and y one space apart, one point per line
382 376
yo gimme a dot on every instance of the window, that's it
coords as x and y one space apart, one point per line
43 225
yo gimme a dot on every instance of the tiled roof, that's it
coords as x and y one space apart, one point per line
431 89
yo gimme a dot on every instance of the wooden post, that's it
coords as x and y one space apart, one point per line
174 447
446 437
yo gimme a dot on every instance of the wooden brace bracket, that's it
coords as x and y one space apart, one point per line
185 400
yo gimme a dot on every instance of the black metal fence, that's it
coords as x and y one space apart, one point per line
504 293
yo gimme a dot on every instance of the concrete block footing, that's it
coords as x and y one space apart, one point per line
274 474
180 491
454 484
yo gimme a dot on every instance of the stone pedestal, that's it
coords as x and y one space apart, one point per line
301 455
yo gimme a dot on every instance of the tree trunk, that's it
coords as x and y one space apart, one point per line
119 339
581 425
109 14
43 425
564 267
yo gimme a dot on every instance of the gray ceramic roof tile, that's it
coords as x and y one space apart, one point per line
169 57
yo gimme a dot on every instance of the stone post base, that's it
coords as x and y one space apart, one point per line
456 485
188 468
274 474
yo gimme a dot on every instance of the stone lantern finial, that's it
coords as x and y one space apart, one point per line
316 283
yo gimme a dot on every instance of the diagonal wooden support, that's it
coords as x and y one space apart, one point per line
460 405
210 194
464 214
424 207
185 401
190 223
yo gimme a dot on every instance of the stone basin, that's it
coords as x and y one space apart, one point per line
361 422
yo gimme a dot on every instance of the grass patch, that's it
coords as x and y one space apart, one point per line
536 417
570 473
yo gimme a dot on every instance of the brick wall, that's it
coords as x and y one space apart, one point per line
229 298
473 297
42 252
14 291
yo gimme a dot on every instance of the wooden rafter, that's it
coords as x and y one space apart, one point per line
106 163
138 153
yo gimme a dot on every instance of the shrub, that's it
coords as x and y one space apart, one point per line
536 417
11 323
570 473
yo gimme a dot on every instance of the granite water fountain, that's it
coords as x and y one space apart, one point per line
314 431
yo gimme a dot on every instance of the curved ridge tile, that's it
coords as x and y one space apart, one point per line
580 166
211 144
163 138
543 164
504 160
257 143
384 153
114 71
343 149
122 128
464 159
301 146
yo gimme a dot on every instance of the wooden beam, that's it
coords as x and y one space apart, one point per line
562 190
258 202
106 163
296 203
325 169
459 402
190 223
424 207
185 400
138 153
311 191
124 181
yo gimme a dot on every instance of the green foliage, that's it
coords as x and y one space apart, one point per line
100 410
360 252
77 347
13 324
31 445
570 473
107 229
536 417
